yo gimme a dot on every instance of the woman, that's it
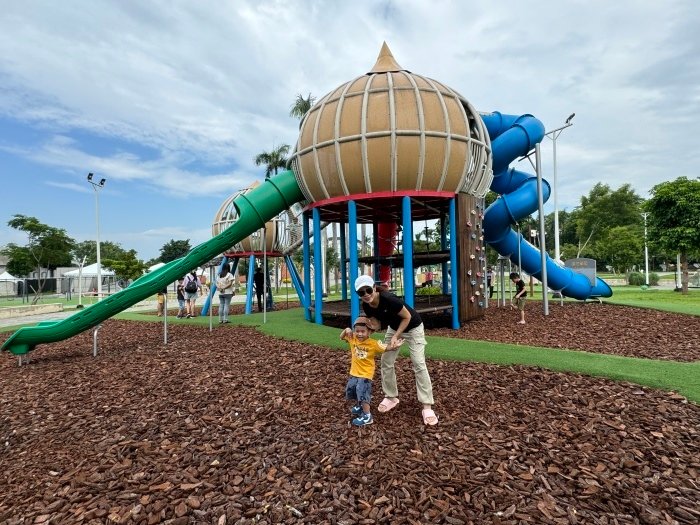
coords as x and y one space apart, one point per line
401 321
225 286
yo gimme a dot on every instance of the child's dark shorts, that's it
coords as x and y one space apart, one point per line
359 389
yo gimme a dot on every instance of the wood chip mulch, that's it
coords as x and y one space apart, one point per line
233 427
600 328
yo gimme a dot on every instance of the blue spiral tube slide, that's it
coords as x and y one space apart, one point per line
513 136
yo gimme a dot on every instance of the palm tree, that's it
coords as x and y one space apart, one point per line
273 160
301 106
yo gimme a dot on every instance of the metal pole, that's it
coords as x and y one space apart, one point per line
99 264
94 340
543 250
646 250
211 297
556 200
265 271
554 134
165 318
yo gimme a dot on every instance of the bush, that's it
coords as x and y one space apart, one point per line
637 279
429 290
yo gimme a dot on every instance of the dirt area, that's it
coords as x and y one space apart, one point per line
235 427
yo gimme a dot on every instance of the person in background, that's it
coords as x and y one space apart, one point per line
520 295
224 284
192 287
259 281
489 281
384 309
160 298
180 289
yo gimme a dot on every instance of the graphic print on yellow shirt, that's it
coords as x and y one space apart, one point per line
362 355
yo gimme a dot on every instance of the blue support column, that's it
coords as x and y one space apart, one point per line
307 267
294 276
408 277
453 264
343 265
443 247
249 285
352 242
318 267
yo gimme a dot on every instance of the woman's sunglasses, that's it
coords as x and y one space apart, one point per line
365 290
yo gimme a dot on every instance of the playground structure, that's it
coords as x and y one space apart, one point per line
410 149
273 240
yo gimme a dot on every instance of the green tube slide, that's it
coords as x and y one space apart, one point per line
255 208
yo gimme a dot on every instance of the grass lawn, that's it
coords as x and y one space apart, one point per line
683 378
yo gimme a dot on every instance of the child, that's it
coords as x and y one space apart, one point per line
520 295
161 301
362 352
181 298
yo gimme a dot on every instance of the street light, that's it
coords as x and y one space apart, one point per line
554 134
96 186
646 250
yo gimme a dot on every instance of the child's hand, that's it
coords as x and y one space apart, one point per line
395 344
345 333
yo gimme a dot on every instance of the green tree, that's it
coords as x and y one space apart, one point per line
173 249
674 220
301 106
47 247
20 262
622 247
127 267
88 249
273 160
603 209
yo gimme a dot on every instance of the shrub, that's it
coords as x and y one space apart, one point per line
429 290
635 279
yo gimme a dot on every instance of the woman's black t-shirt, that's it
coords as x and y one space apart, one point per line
387 311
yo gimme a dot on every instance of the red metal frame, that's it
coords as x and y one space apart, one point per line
384 206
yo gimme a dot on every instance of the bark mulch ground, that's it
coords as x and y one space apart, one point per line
601 328
235 427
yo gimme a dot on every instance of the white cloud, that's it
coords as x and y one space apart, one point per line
192 91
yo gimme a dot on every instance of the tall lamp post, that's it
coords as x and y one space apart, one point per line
554 134
646 250
97 186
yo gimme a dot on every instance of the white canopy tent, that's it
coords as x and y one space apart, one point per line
8 284
88 278
155 267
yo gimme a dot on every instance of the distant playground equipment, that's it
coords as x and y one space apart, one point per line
271 241
387 148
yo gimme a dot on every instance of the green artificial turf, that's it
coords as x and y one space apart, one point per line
667 375
289 324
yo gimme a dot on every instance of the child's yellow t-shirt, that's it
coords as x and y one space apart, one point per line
362 355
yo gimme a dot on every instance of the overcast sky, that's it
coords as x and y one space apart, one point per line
171 100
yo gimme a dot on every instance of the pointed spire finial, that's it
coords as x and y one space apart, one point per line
386 61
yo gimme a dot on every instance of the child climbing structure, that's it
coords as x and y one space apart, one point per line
388 148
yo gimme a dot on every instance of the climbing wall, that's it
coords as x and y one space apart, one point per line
470 256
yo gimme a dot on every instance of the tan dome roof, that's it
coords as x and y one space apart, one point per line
390 131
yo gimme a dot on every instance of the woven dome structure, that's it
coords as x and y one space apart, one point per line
280 232
391 130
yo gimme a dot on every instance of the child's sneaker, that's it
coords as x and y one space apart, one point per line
356 410
364 419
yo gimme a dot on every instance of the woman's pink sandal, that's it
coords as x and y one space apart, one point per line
387 404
